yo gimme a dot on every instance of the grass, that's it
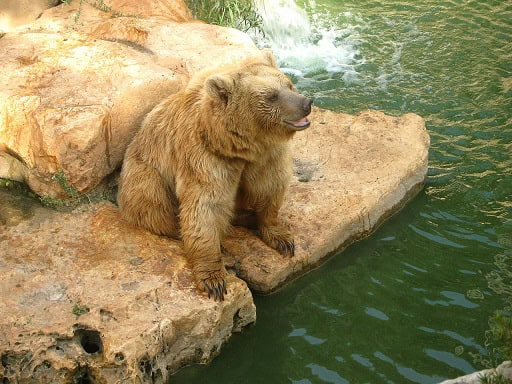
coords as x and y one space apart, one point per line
79 309
73 198
16 186
239 14
496 378
498 338
501 330
499 345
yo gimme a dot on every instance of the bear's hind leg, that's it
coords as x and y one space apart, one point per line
147 200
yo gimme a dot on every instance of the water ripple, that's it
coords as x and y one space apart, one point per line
302 332
467 341
450 359
456 298
326 375
409 373
436 237
373 312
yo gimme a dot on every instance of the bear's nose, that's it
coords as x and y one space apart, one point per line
307 105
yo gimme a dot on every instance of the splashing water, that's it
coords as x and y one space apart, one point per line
285 24
307 48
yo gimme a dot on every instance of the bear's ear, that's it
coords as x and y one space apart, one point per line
220 87
269 57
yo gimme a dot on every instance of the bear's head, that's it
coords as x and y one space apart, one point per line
255 96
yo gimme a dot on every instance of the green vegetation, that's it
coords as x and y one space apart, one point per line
71 192
98 4
496 378
499 346
16 186
79 309
74 198
501 331
239 14
498 338
69 189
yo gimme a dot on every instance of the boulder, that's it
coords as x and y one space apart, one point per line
90 298
76 83
86 299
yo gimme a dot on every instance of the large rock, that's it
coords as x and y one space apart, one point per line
76 83
145 317
351 172
85 299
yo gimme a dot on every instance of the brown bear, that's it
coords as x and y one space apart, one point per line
219 146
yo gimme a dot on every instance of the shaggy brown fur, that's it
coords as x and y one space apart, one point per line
219 145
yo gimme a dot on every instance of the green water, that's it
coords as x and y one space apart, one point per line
411 303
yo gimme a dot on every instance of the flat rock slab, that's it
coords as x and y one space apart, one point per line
351 172
85 297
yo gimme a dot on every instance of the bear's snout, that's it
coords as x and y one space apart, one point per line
299 108
307 105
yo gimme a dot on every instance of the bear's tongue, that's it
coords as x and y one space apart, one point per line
300 123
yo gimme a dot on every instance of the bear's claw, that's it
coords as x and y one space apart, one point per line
286 247
279 238
215 287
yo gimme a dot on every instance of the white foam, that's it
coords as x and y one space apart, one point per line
305 44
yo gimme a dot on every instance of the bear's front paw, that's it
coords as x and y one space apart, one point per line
286 247
279 238
214 284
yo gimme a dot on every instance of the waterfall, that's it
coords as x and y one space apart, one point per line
307 44
286 25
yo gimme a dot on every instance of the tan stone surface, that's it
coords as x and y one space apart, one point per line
14 13
143 305
351 172
76 83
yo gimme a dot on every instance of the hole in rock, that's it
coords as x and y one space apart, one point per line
145 366
119 356
90 340
82 375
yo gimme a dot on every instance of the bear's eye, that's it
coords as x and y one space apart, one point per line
272 97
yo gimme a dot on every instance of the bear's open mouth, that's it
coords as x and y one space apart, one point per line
299 125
